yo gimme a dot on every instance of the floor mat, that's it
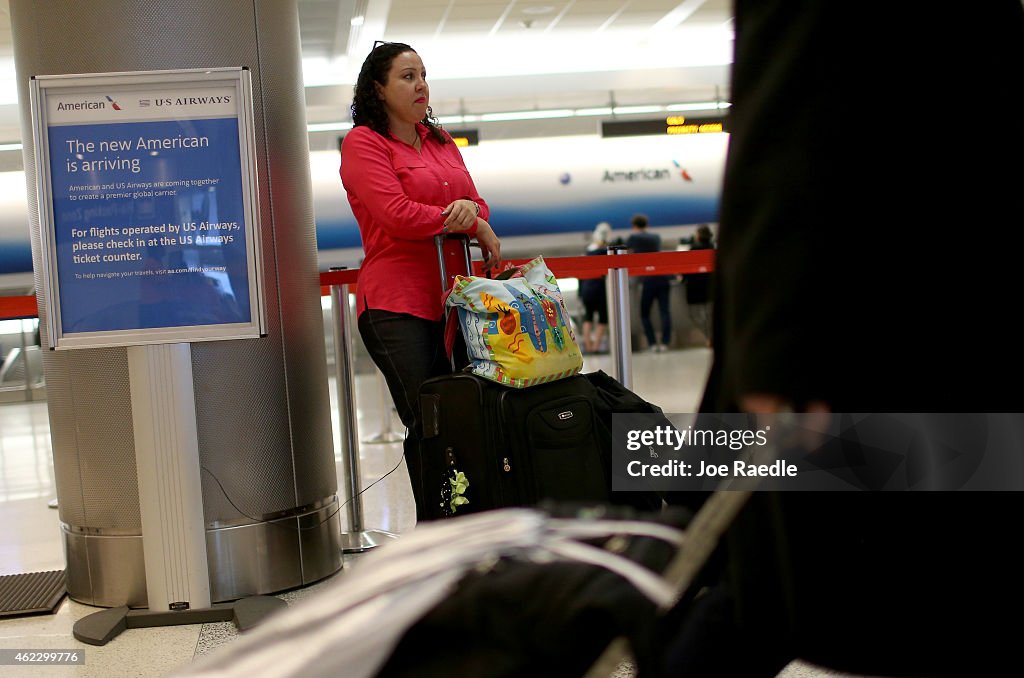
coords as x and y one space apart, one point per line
31 593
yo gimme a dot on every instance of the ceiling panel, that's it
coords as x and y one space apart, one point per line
711 14
6 48
531 59
324 27
597 10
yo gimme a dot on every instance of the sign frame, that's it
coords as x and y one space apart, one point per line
100 85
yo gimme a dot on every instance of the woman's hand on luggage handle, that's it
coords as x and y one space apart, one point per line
462 214
489 244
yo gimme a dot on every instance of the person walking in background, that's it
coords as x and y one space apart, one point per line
810 316
655 288
698 286
406 182
594 294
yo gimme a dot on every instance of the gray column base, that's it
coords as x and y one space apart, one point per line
108 570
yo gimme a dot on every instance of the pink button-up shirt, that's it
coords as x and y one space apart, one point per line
397 195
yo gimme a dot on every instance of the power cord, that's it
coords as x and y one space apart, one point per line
288 526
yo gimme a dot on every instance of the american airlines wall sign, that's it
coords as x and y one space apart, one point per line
147 207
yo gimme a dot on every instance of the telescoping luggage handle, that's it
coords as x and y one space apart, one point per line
452 247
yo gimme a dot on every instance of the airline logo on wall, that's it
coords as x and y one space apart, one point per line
151 104
647 174
642 174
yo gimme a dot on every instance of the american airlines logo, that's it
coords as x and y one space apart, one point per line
80 105
88 105
642 174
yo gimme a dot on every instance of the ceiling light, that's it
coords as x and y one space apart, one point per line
329 127
678 15
628 110
358 20
699 106
457 119
526 115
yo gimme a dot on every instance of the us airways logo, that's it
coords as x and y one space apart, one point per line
192 101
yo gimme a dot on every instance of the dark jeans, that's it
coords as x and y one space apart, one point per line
655 289
408 351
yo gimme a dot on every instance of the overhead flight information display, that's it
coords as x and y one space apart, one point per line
672 124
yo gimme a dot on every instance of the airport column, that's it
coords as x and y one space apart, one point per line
262 411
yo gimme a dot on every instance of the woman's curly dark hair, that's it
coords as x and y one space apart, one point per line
367 107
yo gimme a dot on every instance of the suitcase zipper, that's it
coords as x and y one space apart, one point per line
493 422
506 465
515 482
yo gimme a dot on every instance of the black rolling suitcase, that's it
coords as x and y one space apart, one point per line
514 447
486 445
517 446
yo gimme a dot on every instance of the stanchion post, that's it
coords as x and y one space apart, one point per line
356 539
619 320
387 434
24 361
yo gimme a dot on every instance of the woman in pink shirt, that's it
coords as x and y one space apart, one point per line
406 182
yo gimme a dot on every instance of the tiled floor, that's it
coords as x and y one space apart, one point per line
30 537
